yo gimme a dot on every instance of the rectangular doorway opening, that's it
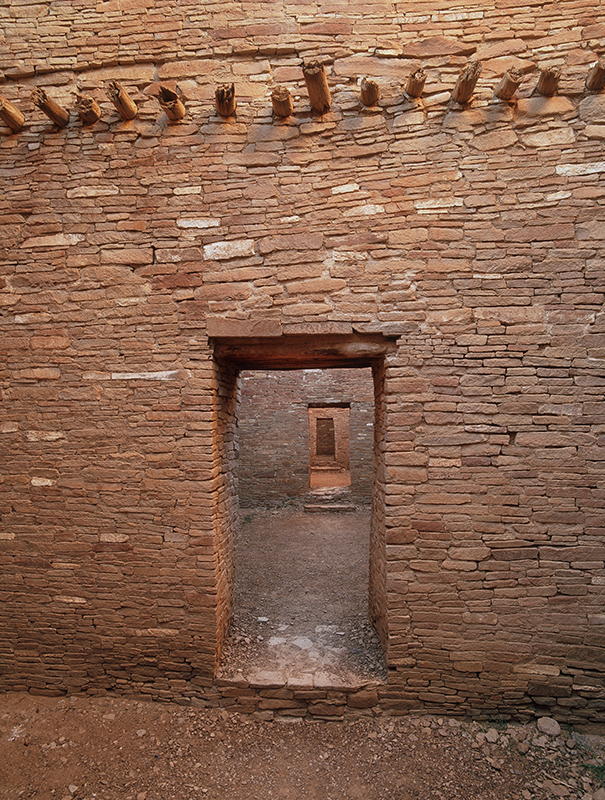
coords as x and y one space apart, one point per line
308 525
329 445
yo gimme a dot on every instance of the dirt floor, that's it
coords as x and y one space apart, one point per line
124 749
301 598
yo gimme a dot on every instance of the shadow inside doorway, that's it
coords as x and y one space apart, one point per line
301 599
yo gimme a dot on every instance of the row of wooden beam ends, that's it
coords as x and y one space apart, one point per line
317 87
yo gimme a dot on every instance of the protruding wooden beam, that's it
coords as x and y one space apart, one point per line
55 112
282 101
225 100
595 82
11 115
465 85
171 104
317 86
511 80
548 81
88 109
125 106
415 85
369 92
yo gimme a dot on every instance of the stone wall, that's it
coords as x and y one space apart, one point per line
274 431
469 237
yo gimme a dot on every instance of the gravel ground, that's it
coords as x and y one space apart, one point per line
301 598
124 749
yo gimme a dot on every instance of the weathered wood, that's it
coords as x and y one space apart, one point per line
595 82
171 104
548 81
88 109
55 112
465 85
370 92
225 100
317 86
125 106
511 80
282 101
11 115
415 84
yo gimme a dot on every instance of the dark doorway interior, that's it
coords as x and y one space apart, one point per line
304 591
302 556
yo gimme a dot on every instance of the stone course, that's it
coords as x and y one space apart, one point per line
456 250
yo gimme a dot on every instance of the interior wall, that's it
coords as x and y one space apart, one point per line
274 436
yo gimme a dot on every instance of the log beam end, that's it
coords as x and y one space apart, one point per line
370 92
465 85
171 104
11 115
55 112
225 100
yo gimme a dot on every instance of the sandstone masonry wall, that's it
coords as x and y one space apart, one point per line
274 431
472 236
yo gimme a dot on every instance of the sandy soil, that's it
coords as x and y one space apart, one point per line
124 749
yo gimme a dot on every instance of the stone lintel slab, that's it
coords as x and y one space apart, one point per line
318 328
219 327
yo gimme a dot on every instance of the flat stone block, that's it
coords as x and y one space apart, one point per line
268 680
237 328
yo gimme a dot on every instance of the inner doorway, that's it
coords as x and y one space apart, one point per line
304 560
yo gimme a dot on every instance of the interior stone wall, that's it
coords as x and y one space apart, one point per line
470 234
273 428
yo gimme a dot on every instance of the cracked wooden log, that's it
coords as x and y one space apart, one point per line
55 112
11 115
282 101
88 109
125 106
548 81
415 85
595 82
317 86
225 100
511 80
465 85
369 92
171 104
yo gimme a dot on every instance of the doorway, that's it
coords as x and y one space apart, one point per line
308 585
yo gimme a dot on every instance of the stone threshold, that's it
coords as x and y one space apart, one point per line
273 695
